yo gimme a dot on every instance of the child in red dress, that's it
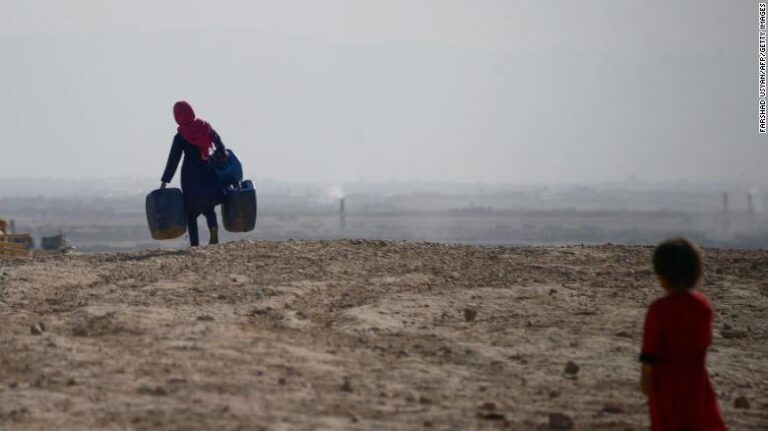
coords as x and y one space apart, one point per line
677 333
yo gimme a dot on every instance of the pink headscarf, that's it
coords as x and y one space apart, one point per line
195 130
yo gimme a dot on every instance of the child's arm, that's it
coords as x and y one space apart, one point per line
650 348
645 378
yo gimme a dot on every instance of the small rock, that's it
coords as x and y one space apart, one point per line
488 406
571 369
239 279
470 314
281 381
491 416
733 333
741 402
36 329
71 382
585 312
18 412
424 400
560 421
205 318
157 391
554 394
613 409
346 386
497 365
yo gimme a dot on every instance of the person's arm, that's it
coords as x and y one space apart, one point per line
217 141
173 162
650 349
646 371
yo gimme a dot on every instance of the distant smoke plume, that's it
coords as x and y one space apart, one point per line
335 192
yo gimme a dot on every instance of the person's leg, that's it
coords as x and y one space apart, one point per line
194 239
213 225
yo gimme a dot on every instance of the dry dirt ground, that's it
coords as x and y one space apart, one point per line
357 335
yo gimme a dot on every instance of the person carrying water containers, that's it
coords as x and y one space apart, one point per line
200 188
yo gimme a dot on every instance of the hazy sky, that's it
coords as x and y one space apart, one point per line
336 91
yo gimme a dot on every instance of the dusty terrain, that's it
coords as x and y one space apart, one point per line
356 335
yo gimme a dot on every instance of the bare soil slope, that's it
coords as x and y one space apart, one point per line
357 335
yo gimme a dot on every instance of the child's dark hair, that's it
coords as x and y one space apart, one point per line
679 262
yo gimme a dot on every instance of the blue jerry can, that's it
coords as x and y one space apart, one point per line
165 214
228 172
239 209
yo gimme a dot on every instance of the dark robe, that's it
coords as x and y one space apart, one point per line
199 186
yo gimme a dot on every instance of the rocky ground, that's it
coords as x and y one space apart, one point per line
357 335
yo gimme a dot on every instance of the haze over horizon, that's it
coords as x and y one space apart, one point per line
341 91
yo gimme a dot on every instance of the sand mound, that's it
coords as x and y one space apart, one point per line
356 334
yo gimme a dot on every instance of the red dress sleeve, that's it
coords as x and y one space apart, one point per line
651 336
